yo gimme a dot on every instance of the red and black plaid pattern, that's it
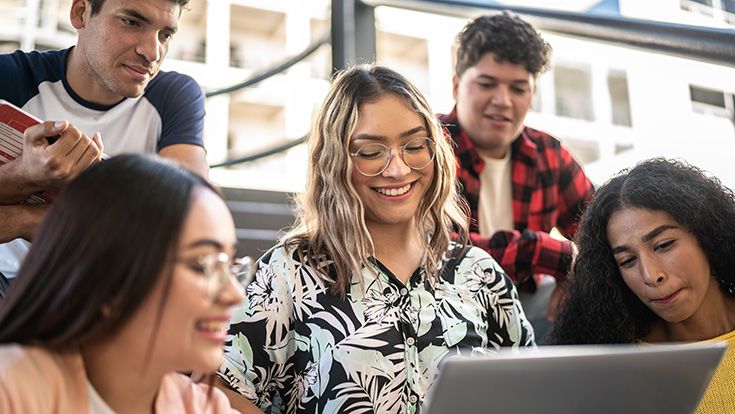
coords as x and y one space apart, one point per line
549 189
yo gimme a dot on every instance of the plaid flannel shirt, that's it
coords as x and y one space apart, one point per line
549 189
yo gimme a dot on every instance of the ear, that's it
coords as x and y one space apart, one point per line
455 85
80 13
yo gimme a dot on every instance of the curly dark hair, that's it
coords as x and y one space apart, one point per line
598 308
506 35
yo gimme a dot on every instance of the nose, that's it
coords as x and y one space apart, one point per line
396 166
651 272
500 96
149 47
232 293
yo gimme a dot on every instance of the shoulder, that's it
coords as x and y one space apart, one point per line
28 70
36 62
180 394
541 138
33 378
170 84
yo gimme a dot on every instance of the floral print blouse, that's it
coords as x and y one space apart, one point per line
295 347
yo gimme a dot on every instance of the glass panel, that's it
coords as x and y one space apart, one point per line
617 84
573 92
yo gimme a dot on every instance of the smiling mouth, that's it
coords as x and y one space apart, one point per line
212 326
497 118
394 192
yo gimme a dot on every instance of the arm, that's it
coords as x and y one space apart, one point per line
237 401
192 157
528 252
181 104
504 312
44 166
523 254
258 361
20 221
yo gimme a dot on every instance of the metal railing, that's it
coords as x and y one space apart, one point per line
707 44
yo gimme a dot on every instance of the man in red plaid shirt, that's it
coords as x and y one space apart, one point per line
520 183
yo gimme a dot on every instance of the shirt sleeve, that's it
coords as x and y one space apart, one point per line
513 248
523 253
507 322
260 348
180 102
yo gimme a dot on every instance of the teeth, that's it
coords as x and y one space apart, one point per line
213 326
394 191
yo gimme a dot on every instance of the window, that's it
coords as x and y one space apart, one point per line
718 9
712 102
573 92
617 84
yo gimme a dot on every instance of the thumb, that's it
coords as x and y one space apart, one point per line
49 130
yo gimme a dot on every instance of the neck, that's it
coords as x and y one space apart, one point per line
80 79
398 248
716 319
127 382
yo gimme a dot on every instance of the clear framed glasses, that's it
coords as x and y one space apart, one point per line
218 268
373 158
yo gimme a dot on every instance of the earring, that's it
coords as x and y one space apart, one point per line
728 286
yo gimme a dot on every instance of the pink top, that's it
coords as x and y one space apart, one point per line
35 380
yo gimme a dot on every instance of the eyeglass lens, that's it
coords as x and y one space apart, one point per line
372 159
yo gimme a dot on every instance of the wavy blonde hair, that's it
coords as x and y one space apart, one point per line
331 219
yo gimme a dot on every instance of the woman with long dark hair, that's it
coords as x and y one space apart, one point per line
656 264
130 279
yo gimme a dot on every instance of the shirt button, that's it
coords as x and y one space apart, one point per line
410 341
412 399
404 292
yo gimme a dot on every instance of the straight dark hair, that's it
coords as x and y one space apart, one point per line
98 253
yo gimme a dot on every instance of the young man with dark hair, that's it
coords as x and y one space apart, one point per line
107 86
520 183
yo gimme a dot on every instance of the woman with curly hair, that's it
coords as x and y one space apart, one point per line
656 264
368 293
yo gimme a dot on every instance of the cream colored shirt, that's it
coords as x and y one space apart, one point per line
495 207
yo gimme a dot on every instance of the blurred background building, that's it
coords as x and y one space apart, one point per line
611 104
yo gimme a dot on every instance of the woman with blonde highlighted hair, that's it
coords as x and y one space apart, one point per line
368 292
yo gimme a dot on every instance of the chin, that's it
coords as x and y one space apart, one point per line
207 363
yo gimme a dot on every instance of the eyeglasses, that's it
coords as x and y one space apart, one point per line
218 268
372 159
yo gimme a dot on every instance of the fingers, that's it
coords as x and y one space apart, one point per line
52 166
37 135
85 153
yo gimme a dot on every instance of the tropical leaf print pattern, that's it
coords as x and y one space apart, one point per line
295 347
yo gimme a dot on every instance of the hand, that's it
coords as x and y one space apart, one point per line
47 166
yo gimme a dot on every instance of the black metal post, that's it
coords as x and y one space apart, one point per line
353 33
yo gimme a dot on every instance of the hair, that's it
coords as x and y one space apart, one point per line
599 308
331 218
103 245
97 4
508 37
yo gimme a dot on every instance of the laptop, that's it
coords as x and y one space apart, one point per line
577 379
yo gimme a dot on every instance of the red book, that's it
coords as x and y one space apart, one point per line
13 122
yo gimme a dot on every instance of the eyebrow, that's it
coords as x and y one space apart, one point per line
136 15
404 134
493 78
646 237
205 242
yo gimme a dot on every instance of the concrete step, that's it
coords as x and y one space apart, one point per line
261 218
